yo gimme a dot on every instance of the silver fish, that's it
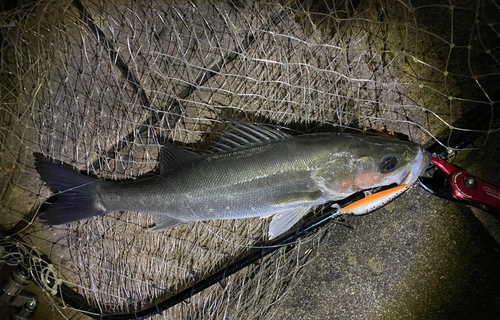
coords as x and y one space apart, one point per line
253 171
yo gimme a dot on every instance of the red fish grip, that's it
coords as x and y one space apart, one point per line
467 187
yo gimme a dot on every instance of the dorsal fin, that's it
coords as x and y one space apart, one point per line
173 156
242 134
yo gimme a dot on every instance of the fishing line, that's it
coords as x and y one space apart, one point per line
242 245
250 246
77 187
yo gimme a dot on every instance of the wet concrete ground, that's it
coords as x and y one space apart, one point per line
420 257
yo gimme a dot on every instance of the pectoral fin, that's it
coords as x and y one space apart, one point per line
298 197
282 221
165 222
373 201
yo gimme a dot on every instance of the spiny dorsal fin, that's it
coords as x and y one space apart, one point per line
173 156
242 134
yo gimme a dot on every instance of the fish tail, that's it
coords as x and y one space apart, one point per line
72 199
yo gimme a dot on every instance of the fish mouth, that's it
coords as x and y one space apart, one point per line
420 164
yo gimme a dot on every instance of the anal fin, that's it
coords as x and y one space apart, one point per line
166 222
282 221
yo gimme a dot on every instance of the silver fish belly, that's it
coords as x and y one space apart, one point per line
255 171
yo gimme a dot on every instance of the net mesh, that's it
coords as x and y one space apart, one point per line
101 85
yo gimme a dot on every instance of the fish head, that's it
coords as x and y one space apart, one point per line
384 160
367 162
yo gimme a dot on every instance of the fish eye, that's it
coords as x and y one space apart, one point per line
388 163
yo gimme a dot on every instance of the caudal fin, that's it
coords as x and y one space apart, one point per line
72 199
